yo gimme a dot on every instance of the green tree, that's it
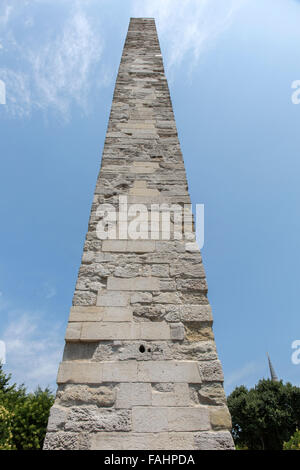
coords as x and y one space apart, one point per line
10 394
24 415
6 437
293 443
265 416
30 420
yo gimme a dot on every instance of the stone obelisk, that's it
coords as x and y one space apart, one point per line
140 368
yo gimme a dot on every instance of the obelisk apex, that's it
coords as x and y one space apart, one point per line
140 368
274 377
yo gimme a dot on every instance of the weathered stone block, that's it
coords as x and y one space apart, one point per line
120 371
188 419
137 283
112 299
155 331
212 393
101 396
192 284
188 313
141 297
133 394
187 269
198 351
220 418
167 298
66 441
194 313
214 441
114 245
169 371
179 396
158 350
211 371
79 372
144 167
142 441
91 418
97 314
57 418
140 189
177 331
147 419
119 314
110 331
128 246
73 332
196 332
84 298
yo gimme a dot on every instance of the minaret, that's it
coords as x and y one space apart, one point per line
274 377
140 368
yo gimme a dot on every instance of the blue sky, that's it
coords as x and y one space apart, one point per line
230 67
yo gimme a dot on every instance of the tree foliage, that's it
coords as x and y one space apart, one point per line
6 437
293 443
23 416
265 416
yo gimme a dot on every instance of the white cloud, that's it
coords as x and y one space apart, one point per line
34 345
5 14
60 64
190 26
33 349
62 67
55 70
18 96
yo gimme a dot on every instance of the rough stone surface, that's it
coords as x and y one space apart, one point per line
220 418
91 418
133 394
61 440
140 368
143 441
57 418
214 441
177 396
211 393
71 395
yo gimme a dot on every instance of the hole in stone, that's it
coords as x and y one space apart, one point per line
149 350
142 348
